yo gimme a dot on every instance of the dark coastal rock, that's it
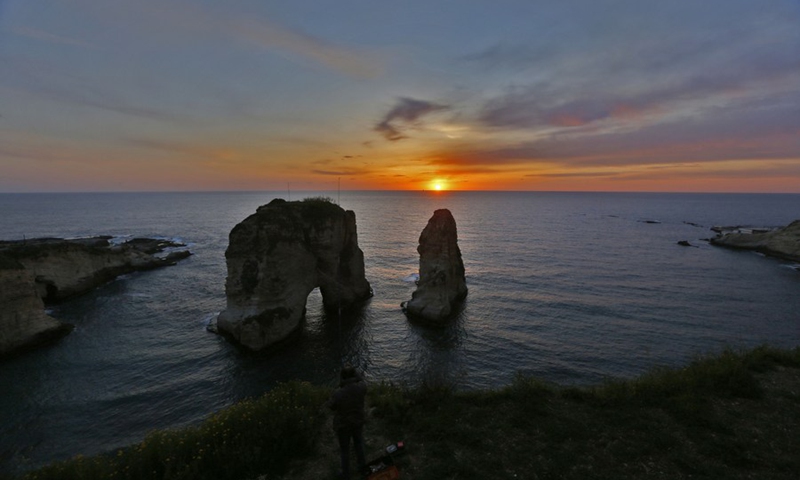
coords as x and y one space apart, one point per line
277 256
685 243
50 270
174 257
724 230
441 271
781 242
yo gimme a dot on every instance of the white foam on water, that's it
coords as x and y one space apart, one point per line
414 277
210 318
119 239
136 295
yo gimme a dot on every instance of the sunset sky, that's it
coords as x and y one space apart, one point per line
610 95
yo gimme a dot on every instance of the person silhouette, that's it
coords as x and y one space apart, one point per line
347 403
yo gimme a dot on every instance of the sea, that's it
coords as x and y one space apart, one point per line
572 288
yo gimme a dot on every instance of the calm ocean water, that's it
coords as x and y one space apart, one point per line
570 287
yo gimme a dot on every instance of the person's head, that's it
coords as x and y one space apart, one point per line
348 371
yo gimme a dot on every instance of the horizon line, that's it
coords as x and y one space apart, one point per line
435 192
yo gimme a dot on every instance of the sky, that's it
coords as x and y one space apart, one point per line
575 95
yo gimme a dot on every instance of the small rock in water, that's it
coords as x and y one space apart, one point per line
212 326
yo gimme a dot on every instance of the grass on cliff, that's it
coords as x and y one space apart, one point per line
247 439
318 209
319 200
731 415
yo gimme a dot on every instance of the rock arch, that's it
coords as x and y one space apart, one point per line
277 256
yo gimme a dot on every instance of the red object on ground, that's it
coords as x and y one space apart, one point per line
389 473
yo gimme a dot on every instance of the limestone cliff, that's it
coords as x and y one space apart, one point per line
277 256
66 268
50 270
23 323
782 242
441 271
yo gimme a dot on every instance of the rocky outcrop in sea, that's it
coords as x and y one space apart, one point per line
442 283
781 242
50 270
277 256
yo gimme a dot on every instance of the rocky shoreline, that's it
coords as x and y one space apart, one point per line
302 244
37 272
783 243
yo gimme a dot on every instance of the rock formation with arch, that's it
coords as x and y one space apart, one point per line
277 256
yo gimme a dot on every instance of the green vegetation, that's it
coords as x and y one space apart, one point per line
247 439
318 209
8 263
732 415
319 200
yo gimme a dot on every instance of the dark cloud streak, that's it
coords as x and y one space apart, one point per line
748 130
406 110
343 172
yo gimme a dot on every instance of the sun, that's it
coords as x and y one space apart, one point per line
438 185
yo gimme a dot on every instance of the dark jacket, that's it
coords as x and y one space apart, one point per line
347 403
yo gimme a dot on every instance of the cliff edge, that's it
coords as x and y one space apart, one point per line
51 270
23 323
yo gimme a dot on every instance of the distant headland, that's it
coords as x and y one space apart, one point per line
781 242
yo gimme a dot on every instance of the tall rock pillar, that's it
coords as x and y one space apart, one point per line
441 271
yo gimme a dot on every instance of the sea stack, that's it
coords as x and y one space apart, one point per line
441 271
277 256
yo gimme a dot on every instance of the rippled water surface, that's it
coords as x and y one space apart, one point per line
570 287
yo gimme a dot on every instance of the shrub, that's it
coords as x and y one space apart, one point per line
319 200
